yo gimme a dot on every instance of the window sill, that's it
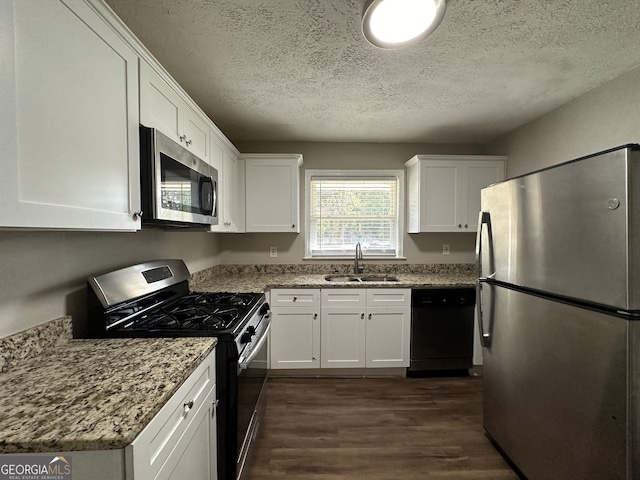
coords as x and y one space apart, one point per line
350 258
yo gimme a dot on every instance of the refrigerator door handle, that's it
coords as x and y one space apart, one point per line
483 219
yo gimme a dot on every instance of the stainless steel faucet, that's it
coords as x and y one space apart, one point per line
357 268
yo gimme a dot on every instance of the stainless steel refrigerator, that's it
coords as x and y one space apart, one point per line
558 299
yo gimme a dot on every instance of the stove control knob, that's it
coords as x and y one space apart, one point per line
246 336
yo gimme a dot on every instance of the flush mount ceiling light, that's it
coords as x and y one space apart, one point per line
394 24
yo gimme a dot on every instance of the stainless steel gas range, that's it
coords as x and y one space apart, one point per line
153 300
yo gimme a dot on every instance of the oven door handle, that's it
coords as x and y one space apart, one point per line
243 364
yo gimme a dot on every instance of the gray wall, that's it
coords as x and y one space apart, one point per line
603 118
43 274
418 248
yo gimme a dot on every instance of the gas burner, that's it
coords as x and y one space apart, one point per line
166 321
237 299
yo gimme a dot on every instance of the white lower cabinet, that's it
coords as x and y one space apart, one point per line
180 441
356 328
365 327
295 330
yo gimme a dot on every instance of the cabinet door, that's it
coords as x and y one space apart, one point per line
159 103
196 132
295 337
231 199
343 337
232 196
162 107
69 123
272 193
197 460
387 339
440 192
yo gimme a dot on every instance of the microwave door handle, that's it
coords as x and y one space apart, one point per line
207 197
214 193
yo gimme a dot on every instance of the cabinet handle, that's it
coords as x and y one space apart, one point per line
183 138
187 406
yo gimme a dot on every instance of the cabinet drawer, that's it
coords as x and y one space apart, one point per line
153 446
300 297
388 296
335 297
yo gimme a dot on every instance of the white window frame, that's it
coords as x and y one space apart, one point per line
398 174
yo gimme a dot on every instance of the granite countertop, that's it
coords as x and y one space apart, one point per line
91 394
257 282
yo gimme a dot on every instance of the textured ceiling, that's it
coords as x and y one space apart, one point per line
301 70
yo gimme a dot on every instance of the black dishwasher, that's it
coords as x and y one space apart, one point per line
442 329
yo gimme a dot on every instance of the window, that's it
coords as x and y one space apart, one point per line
345 207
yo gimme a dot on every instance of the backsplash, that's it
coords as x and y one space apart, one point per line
33 342
324 268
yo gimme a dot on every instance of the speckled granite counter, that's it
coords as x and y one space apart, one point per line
90 394
256 279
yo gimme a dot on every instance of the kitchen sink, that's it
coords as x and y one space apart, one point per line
378 278
366 278
341 278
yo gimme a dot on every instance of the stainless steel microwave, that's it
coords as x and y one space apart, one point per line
178 189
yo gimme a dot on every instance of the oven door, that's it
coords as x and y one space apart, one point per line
252 376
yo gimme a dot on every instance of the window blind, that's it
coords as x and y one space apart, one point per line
347 210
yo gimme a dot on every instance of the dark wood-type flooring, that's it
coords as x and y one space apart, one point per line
375 429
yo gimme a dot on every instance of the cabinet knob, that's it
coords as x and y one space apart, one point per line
369 316
295 299
137 215
187 406
188 142
362 316
466 226
315 315
183 138
293 226
459 225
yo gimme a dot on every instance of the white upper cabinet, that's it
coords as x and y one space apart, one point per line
443 192
162 107
272 192
69 123
230 187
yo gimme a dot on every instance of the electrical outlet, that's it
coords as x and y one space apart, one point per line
445 249
273 252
